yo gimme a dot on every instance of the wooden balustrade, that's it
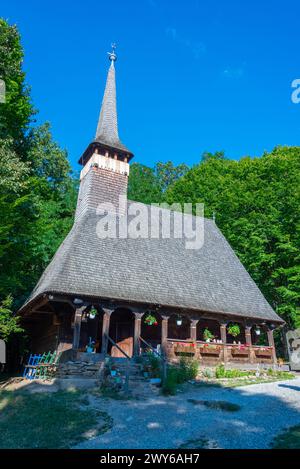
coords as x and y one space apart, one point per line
214 351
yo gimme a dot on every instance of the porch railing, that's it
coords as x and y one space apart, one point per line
253 350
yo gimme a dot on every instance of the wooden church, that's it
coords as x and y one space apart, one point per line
102 295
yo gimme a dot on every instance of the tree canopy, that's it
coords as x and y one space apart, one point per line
256 202
37 189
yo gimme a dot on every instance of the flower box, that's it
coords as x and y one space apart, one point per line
264 352
240 352
208 349
185 349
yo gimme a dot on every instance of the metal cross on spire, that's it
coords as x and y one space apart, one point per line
112 55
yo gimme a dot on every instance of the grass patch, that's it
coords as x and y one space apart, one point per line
217 405
290 439
43 420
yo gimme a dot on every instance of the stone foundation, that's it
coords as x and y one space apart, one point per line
79 369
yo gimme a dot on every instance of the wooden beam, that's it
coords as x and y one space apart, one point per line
105 328
137 332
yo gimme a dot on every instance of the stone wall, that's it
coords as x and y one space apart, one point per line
81 368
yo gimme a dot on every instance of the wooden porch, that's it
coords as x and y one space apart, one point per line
86 327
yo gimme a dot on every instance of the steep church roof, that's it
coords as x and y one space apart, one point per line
154 271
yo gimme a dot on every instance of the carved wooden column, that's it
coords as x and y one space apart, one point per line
223 332
193 332
77 327
137 333
248 339
193 335
164 334
272 344
105 329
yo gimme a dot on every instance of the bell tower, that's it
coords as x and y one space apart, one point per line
105 162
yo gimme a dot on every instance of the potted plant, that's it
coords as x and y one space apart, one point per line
90 348
92 313
208 335
234 330
150 320
113 370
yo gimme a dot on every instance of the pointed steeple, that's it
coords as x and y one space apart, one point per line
107 137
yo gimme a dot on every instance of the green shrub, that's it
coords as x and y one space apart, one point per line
155 365
220 371
208 373
233 373
170 383
207 334
186 370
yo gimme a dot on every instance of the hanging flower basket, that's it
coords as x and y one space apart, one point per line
150 320
92 313
234 330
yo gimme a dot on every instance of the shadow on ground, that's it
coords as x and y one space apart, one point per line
265 410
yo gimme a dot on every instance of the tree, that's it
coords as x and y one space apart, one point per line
17 111
148 185
9 323
37 190
167 173
218 155
143 185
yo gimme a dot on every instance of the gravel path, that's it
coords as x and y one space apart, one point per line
168 422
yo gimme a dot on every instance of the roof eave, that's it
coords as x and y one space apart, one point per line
90 150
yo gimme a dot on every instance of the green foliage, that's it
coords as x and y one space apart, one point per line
148 185
9 324
37 192
176 375
169 386
234 330
288 439
154 363
208 373
233 373
150 320
207 334
207 155
17 111
143 185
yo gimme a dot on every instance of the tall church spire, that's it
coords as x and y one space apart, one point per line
107 139
107 129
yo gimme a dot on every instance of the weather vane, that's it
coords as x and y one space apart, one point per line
112 55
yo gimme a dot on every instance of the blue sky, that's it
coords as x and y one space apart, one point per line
192 76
